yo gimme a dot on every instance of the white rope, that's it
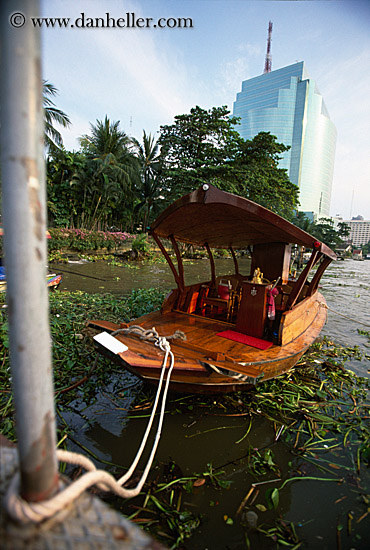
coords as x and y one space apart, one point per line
35 512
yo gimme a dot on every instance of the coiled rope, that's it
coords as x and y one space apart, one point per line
35 512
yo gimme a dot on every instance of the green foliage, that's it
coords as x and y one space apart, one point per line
140 245
366 249
196 149
84 240
93 188
52 137
73 352
147 189
115 181
63 197
204 147
261 462
323 229
254 174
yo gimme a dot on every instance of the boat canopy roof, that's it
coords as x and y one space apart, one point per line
209 216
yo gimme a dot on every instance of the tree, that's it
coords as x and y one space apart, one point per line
196 148
148 189
255 174
63 198
323 229
303 222
366 249
204 147
52 137
108 175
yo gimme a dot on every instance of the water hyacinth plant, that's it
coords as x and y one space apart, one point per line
309 428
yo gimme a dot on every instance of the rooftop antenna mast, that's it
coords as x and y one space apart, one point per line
268 60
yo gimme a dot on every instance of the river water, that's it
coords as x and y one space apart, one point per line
193 439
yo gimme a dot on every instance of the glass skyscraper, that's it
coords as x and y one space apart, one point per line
288 104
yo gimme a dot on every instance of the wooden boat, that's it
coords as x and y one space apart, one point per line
233 340
52 280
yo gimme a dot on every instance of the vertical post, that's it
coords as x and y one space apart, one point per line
24 220
180 265
212 262
236 265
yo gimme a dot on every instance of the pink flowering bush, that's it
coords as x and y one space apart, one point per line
84 240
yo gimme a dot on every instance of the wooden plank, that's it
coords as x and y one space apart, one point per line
106 325
223 220
296 321
252 312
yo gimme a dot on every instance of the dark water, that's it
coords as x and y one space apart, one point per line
121 280
194 439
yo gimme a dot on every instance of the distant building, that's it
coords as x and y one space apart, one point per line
288 104
359 234
357 254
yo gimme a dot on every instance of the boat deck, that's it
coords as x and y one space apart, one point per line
203 350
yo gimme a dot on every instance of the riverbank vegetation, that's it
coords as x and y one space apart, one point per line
116 181
314 421
116 184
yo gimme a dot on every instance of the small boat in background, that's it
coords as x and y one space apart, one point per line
234 329
52 280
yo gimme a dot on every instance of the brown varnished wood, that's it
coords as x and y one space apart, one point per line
205 362
178 280
212 262
319 272
180 264
299 284
202 345
273 259
225 220
296 321
252 313
235 260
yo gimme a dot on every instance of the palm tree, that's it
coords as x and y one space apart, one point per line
52 138
110 172
148 189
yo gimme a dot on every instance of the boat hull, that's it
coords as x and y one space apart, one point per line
206 362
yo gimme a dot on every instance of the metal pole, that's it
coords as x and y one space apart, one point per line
24 220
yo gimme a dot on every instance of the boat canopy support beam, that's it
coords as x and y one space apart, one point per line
298 287
179 277
212 262
236 265
180 265
316 278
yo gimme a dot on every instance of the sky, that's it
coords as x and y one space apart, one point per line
144 77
